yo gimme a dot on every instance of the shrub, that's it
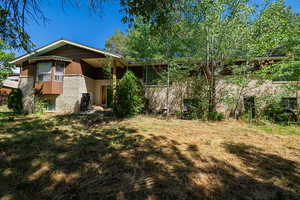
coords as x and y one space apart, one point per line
215 116
275 113
15 100
195 109
40 105
129 96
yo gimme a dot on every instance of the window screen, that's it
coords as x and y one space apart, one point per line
44 71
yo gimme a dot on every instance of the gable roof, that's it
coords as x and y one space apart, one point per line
59 43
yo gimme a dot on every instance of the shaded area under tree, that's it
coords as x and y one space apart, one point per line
87 157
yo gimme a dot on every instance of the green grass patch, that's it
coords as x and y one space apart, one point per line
278 129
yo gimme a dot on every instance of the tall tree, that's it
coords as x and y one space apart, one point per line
117 43
214 34
5 57
273 30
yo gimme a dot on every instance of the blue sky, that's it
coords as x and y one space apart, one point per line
79 24
76 23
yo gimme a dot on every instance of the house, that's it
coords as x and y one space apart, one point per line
63 73
7 86
71 77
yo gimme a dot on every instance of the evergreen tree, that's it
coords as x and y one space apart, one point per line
128 97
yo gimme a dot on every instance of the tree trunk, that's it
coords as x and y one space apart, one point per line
212 94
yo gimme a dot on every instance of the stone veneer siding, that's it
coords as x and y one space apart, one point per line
157 95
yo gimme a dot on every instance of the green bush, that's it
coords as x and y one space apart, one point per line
215 116
40 105
195 109
129 96
275 113
15 100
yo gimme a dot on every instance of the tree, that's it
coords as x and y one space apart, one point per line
213 34
273 30
5 67
128 98
117 43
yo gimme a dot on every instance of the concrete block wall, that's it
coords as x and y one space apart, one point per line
69 100
73 87
26 85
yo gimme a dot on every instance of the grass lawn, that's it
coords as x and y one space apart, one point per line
92 157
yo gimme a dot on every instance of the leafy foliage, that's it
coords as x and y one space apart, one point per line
117 43
156 11
214 35
5 67
15 100
275 113
128 98
215 116
12 20
275 31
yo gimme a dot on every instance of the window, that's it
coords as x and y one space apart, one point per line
289 103
59 72
44 71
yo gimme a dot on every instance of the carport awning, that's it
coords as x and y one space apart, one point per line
42 58
103 62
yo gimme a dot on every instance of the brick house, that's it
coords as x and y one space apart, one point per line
64 73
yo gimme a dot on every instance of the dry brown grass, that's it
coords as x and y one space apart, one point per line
91 157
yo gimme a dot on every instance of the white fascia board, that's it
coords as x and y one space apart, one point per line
63 42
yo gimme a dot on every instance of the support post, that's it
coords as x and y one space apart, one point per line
114 77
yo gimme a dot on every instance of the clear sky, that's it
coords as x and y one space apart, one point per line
81 25
76 23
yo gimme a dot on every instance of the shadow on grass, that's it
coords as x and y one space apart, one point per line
269 167
75 157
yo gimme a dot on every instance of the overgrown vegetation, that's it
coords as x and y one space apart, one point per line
128 97
206 41
5 57
15 100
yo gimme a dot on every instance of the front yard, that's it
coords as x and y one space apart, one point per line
91 157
